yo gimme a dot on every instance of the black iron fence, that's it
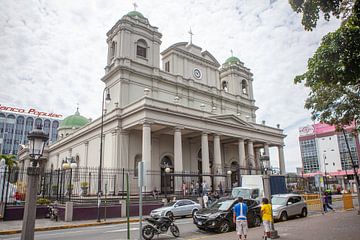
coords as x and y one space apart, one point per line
80 185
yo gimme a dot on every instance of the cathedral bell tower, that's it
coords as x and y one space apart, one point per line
236 79
133 39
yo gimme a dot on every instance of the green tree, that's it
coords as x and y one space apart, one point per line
10 160
333 73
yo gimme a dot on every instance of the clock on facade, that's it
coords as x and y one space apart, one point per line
197 73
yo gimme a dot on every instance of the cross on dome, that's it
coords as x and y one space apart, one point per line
191 34
135 6
232 53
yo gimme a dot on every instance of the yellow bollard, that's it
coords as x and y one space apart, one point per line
348 202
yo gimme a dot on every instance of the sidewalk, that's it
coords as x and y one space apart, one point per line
12 227
339 225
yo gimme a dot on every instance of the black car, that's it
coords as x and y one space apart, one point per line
219 216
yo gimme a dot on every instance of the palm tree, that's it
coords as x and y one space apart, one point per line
10 160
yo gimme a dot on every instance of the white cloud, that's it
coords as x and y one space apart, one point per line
52 53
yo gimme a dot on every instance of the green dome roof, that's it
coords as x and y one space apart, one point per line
232 60
135 14
74 121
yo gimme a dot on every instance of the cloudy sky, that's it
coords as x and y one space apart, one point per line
53 52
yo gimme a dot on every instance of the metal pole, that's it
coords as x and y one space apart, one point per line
123 182
128 204
70 187
114 185
355 169
141 179
101 155
28 226
58 185
105 202
50 187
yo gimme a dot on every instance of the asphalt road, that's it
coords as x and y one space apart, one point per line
110 232
314 227
119 231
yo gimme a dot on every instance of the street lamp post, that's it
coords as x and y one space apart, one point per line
229 172
37 140
69 163
167 170
267 190
107 100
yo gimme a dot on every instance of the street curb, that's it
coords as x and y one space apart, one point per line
40 229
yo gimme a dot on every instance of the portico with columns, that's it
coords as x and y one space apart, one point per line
188 112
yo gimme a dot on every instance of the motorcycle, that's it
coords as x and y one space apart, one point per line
159 226
52 212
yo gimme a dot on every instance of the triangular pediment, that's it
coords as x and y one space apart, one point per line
231 118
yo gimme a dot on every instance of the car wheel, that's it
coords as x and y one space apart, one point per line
283 216
224 227
303 212
169 215
194 212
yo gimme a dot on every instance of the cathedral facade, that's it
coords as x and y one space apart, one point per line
190 113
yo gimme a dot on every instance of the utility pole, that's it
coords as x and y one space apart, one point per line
355 167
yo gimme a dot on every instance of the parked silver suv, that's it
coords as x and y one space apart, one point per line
178 208
288 205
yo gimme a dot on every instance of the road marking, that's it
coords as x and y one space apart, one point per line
122 230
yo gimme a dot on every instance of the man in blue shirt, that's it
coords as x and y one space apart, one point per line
240 212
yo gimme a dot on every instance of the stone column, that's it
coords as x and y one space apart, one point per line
267 153
178 162
217 161
86 154
242 159
146 155
58 163
205 157
281 159
257 160
114 150
124 149
251 161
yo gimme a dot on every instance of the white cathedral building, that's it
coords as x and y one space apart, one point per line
190 114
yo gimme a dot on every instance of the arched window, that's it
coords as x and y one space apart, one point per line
244 87
112 50
137 159
224 86
141 48
38 123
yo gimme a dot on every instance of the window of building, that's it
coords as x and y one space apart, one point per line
141 48
224 86
167 66
137 159
244 87
112 50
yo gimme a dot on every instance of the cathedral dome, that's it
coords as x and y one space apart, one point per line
232 60
135 14
74 121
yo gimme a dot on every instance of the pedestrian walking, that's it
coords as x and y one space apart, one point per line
205 200
192 190
239 218
326 202
220 189
184 189
266 210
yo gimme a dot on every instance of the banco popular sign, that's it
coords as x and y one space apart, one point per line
31 111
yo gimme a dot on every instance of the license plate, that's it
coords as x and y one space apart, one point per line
199 223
